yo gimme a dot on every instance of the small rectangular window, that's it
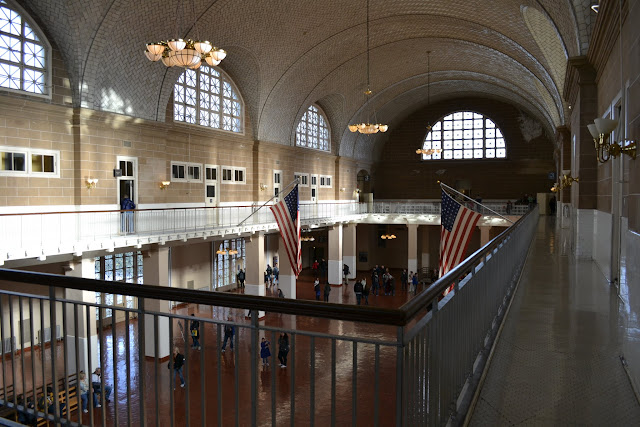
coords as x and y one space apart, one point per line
42 163
211 191
239 175
211 173
126 167
194 173
13 162
226 174
177 171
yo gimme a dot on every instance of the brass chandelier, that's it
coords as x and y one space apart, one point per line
185 53
370 125
428 151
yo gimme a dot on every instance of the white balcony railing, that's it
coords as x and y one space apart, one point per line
43 234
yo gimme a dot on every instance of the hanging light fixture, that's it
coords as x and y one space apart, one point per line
185 53
428 151
370 125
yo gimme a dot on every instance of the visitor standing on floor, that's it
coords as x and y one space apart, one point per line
241 277
375 283
316 288
315 266
229 331
415 283
178 364
404 279
269 275
265 353
276 275
194 328
327 291
365 291
283 346
357 289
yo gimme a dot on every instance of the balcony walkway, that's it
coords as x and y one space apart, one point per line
557 360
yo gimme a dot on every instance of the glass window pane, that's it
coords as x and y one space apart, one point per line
477 154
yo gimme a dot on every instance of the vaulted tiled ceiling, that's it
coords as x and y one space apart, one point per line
286 54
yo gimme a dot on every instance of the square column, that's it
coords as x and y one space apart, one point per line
81 268
287 280
426 248
484 234
256 266
156 272
335 255
349 248
412 247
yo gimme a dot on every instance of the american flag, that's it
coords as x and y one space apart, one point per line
458 224
287 213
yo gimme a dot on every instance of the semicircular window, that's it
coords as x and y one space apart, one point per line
207 97
465 135
24 53
312 130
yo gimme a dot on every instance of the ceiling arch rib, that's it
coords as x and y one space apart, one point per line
350 70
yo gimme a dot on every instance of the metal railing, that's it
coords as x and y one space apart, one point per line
52 233
365 365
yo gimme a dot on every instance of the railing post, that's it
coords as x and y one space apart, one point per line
254 367
141 360
399 375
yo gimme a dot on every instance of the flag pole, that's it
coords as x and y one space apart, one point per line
442 184
295 181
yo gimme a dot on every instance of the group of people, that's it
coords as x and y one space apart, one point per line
96 385
318 290
272 276
283 350
320 269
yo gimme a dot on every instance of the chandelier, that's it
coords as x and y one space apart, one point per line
185 53
428 151
370 125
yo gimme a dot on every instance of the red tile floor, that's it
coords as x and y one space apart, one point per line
235 398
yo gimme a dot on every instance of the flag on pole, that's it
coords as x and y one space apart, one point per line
287 213
458 224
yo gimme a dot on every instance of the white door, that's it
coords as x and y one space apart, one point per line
211 193
127 188
314 188
277 185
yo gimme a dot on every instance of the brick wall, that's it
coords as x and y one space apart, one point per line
401 174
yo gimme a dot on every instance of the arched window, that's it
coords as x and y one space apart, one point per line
312 130
24 64
207 97
465 135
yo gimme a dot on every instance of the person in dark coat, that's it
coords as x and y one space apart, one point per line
327 291
265 353
283 346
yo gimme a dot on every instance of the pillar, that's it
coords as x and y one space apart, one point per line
156 272
256 266
287 280
583 162
412 248
81 268
426 247
335 255
349 248
484 234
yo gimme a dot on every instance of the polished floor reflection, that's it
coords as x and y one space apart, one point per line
557 361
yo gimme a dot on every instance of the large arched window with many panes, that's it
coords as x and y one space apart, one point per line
312 130
24 53
207 97
465 135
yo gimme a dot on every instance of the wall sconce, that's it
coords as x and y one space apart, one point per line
342 189
221 251
91 183
567 180
164 184
555 188
263 186
357 191
308 239
388 236
601 130
233 252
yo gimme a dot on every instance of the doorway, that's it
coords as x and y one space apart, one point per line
277 185
314 188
